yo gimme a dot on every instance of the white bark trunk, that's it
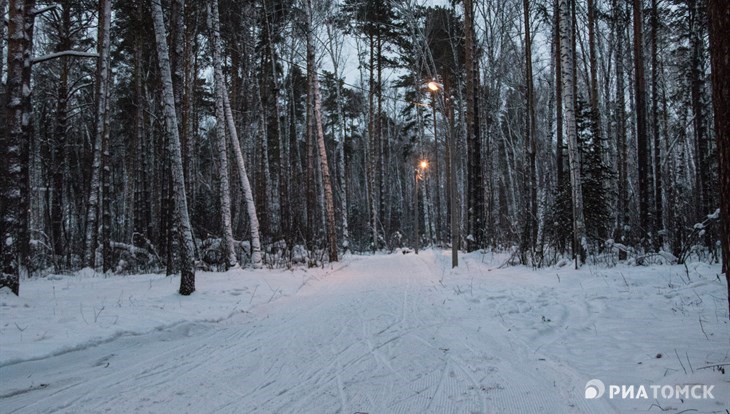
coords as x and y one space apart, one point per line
187 279
3 5
102 93
579 230
335 49
225 188
245 184
324 166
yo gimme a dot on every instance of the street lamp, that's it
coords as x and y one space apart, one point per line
435 87
419 176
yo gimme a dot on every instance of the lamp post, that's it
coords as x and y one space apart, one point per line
435 87
419 175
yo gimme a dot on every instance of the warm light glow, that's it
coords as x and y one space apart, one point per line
424 164
434 86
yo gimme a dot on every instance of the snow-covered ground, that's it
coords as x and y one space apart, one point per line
380 334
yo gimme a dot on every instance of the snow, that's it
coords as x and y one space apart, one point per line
400 333
715 215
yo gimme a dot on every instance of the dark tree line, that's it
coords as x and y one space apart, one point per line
151 135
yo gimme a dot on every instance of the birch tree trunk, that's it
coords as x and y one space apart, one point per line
14 179
105 9
566 44
3 6
719 16
324 166
593 57
335 48
187 269
235 143
102 93
229 252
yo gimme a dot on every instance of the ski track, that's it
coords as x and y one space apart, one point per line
361 341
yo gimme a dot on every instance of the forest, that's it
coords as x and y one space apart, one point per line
174 136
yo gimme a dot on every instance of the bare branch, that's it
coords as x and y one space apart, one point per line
57 55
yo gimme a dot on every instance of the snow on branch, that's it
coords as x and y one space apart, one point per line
57 55
42 10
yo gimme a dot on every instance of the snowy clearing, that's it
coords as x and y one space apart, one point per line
379 334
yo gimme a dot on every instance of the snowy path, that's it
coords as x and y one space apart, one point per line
373 339
384 335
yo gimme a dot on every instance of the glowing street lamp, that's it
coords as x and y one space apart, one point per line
434 86
419 176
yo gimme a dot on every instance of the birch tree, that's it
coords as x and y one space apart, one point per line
256 259
3 6
14 246
102 94
566 52
187 269
229 252
324 165
334 47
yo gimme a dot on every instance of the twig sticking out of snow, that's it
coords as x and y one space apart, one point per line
680 360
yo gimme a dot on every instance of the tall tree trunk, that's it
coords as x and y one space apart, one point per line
3 6
102 94
657 208
574 159
189 119
381 141
531 136
372 140
229 252
335 49
187 268
699 119
621 145
642 142
593 57
140 234
324 166
105 8
719 16
256 259
270 103
311 194
59 151
558 98
14 181
475 183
